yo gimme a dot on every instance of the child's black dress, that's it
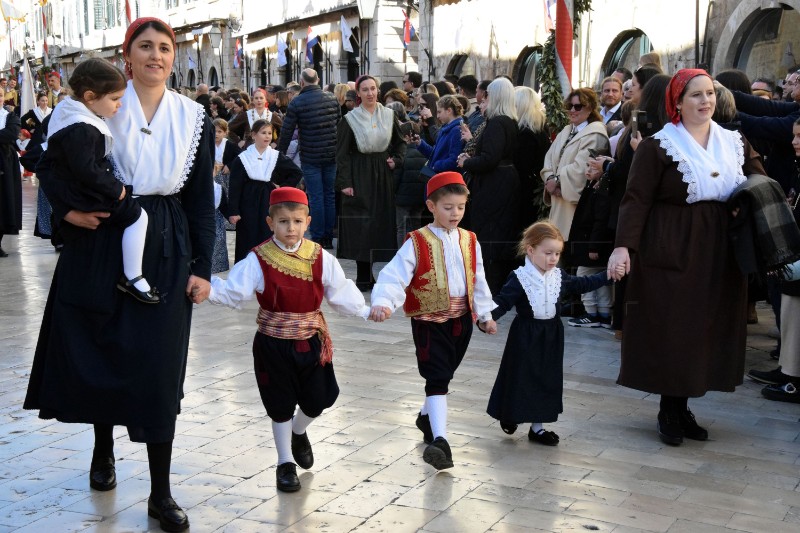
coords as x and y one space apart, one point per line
530 380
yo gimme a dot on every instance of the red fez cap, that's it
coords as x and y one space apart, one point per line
287 194
53 73
25 133
444 178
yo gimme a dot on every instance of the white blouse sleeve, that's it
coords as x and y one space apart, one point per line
482 296
244 280
390 289
340 292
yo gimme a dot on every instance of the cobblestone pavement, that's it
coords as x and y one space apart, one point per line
609 473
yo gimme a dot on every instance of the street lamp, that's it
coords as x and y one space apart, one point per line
366 8
215 36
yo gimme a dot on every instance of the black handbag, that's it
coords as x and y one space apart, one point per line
426 172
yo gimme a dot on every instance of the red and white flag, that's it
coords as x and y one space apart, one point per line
564 33
128 17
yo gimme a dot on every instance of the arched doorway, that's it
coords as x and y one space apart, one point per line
190 78
213 79
173 81
626 50
461 65
527 67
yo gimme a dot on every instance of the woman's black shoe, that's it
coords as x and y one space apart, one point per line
691 430
169 515
149 297
669 428
508 427
102 474
286 477
548 438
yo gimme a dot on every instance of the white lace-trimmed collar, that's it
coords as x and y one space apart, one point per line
259 167
711 173
252 116
3 117
70 112
156 158
542 290
41 115
373 132
219 150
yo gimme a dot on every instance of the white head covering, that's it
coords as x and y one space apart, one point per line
71 111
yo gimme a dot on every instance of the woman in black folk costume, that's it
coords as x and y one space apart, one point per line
32 120
530 381
254 174
104 358
10 176
224 154
369 147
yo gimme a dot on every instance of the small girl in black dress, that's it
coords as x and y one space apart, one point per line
78 147
530 381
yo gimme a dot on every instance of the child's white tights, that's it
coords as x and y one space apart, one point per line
300 422
282 433
437 412
133 239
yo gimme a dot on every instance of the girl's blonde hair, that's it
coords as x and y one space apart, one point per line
536 233
529 109
501 99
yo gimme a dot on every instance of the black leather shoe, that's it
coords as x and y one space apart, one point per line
286 476
438 454
102 474
127 285
424 425
508 427
169 515
548 438
769 377
669 428
691 430
301 450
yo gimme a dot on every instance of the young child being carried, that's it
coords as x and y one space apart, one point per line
437 276
529 383
292 349
78 147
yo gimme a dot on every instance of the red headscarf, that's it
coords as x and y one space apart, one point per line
135 25
676 86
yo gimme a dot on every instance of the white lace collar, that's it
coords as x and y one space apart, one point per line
252 116
373 132
156 158
41 115
70 112
542 290
259 166
3 117
219 150
711 173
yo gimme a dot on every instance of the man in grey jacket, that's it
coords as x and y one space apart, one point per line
315 113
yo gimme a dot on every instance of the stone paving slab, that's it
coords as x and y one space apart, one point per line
610 473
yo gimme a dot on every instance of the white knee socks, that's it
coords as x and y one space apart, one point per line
132 250
282 433
437 411
300 422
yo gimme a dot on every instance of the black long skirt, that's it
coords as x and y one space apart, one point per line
252 229
104 357
530 382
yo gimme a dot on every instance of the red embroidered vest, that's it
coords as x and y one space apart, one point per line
292 280
428 291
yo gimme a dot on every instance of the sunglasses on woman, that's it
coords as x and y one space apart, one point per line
576 107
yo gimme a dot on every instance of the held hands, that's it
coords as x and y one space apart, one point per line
461 158
348 191
553 187
233 219
619 264
390 163
379 313
198 289
489 327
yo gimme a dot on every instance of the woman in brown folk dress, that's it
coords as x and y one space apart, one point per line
684 329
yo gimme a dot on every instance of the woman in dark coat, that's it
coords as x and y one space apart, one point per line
684 328
32 120
494 184
10 176
369 147
103 358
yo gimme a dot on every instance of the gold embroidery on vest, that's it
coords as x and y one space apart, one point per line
466 250
433 296
295 264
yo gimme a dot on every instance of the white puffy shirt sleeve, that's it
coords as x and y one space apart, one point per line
481 295
390 289
244 280
341 293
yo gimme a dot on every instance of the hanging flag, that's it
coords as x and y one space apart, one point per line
237 54
311 39
11 11
564 35
408 31
192 63
128 17
346 34
282 51
45 49
26 94
549 15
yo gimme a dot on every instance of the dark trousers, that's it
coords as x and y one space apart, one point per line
440 349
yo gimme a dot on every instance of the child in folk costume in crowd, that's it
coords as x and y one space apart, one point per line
529 383
437 275
23 140
289 275
78 146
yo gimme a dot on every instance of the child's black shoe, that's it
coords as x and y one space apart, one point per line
438 454
548 438
424 425
508 427
286 477
301 450
149 297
